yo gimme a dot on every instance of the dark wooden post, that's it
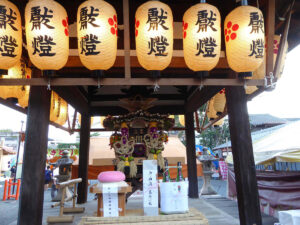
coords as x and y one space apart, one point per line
84 158
242 150
34 159
191 155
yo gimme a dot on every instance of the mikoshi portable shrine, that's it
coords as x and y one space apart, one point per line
122 58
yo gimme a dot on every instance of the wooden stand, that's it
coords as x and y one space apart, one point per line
121 199
61 218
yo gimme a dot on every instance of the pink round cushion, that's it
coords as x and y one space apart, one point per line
111 176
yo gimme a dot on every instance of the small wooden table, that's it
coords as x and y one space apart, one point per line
121 198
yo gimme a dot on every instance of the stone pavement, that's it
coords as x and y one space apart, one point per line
217 209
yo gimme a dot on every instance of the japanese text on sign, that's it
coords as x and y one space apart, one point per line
157 46
256 22
88 44
43 45
257 48
88 17
206 47
156 18
7 46
7 18
205 20
38 18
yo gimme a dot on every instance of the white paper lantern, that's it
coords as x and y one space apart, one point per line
260 73
244 38
47 34
54 106
202 37
211 112
220 102
97 29
15 72
10 35
154 35
62 113
181 120
23 101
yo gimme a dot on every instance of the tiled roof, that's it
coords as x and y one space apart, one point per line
261 119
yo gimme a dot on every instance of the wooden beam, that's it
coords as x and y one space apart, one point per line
74 97
270 31
126 38
84 158
283 43
104 130
132 81
35 151
242 150
200 97
117 110
191 155
112 97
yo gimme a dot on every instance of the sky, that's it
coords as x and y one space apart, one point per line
282 102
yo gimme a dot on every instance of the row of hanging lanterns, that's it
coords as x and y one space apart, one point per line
47 34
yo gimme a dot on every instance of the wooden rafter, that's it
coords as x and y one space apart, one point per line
131 81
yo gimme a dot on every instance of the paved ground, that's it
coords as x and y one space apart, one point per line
217 209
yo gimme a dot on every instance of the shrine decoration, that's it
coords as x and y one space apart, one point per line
138 135
154 35
23 101
97 29
202 37
220 102
10 35
114 123
260 73
47 34
124 149
154 143
211 112
181 120
245 39
15 72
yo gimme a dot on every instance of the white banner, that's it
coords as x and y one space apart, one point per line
110 200
150 187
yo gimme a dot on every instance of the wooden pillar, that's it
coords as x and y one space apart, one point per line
34 159
242 150
191 154
84 158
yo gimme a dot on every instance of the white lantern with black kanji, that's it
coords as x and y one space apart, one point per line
10 35
154 35
244 39
202 37
47 34
97 29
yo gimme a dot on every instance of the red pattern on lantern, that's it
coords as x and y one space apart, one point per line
65 23
185 26
113 22
137 24
229 32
